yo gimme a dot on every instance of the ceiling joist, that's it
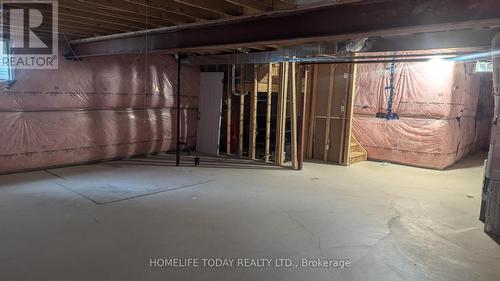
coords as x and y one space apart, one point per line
88 18
335 22
218 6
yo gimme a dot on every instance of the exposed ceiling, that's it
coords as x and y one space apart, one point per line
89 18
428 24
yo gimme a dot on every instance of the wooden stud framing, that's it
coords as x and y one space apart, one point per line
293 113
350 113
242 111
277 154
229 108
312 118
343 117
253 113
329 113
281 115
305 106
284 114
268 112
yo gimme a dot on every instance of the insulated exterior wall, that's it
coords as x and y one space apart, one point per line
429 90
437 103
95 109
432 143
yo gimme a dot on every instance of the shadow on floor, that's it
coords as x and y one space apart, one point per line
168 160
25 178
159 160
473 160
494 238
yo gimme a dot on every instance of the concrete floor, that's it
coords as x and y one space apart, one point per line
98 222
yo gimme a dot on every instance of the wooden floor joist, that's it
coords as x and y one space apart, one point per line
383 19
293 113
269 112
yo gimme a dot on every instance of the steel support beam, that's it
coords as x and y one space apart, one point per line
393 17
459 39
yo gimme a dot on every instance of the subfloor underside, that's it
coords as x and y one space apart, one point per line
107 221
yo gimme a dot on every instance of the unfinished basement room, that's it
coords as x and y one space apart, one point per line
153 140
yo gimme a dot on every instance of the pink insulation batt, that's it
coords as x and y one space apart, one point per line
437 103
95 109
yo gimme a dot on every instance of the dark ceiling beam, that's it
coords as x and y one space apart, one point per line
435 40
453 40
389 18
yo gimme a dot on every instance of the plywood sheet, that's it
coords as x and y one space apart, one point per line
334 151
319 138
323 89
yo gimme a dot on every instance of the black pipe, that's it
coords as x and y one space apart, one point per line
178 153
